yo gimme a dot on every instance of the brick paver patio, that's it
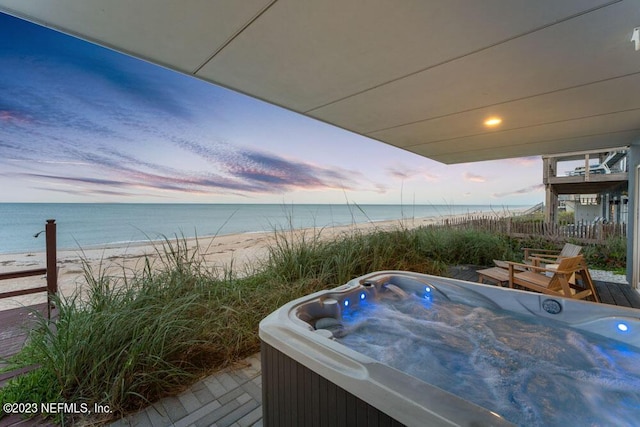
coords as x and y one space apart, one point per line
232 397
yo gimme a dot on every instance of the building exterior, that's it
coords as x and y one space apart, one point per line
591 184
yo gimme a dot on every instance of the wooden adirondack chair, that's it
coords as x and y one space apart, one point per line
555 281
539 257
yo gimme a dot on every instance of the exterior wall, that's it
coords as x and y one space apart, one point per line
570 206
633 228
587 213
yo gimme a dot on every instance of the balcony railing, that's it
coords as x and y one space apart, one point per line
50 271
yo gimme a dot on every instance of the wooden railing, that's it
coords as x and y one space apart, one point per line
581 231
51 270
534 209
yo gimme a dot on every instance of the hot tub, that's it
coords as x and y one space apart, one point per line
310 377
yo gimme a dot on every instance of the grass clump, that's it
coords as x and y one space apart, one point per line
430 250
611 255
564 217
125 345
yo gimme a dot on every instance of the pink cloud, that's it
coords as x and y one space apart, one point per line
474 178
12 117
401 172
530 189
525 161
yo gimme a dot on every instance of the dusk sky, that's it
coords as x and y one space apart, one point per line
81 123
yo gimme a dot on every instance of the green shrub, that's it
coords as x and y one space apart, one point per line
566 217
611 255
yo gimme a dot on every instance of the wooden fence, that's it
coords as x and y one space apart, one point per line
516 227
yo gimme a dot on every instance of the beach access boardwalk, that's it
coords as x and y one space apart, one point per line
233 396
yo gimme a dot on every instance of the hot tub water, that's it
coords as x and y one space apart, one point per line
530 370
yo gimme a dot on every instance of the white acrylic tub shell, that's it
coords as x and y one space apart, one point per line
406 399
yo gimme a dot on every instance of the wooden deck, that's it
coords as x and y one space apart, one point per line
16 324
609 293
15 328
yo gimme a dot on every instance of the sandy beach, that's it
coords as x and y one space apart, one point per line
239 252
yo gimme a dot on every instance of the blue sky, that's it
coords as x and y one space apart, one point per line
80 123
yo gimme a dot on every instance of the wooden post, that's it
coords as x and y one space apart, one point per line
586 167
52 268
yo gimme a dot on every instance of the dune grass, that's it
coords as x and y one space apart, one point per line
129 342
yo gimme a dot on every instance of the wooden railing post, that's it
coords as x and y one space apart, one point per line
52 267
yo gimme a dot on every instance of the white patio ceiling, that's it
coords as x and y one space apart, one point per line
420 75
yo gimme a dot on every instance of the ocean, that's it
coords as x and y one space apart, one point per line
86 225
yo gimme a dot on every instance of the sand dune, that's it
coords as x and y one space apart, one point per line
239 252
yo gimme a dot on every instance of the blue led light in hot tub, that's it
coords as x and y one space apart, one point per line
346 303
362 296
428 294
622 327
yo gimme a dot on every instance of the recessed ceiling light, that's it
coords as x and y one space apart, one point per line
492 121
